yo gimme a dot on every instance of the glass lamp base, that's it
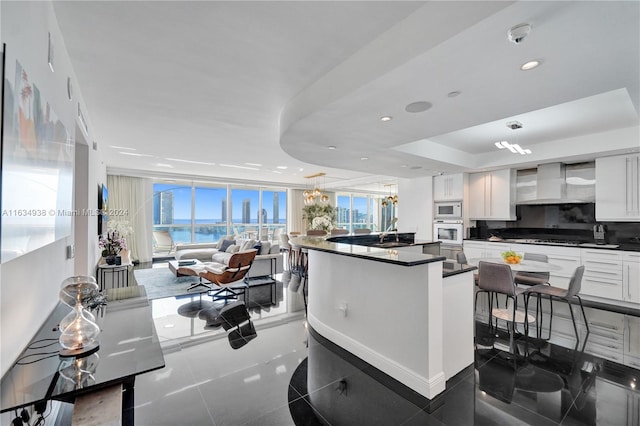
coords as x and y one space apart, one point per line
79 353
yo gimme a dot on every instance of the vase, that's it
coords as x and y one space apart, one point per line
110 260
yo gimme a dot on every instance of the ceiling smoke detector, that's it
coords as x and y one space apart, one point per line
513 125
518 33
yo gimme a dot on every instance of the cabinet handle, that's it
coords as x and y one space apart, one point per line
600 271
603 325
627 280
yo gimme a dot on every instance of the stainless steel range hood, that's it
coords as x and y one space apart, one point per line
556 183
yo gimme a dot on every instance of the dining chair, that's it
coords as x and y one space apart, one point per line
316 232
560 293
533 278
498 279
461 258
339 231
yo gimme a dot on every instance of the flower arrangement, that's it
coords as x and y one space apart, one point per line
319 216
322 223
112 244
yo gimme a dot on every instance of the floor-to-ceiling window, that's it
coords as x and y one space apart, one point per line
203 212
357 211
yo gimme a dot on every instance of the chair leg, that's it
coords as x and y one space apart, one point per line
586 323
573 319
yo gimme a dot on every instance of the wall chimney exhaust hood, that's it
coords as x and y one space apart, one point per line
557 183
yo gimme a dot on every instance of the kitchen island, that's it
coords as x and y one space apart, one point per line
393 309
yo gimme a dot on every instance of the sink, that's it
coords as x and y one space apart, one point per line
599 245
390 244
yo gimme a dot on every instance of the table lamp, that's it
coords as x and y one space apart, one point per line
79 330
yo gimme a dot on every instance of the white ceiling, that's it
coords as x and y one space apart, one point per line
235 84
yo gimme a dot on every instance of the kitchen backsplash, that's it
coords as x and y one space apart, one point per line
559 220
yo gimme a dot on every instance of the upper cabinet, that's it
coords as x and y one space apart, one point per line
448 187
492 195
618 188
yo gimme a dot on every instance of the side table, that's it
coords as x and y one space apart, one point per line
113 276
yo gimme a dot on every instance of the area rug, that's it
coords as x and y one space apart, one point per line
160 283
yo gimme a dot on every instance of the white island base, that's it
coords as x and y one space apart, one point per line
404 320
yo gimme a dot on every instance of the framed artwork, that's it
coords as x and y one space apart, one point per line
37 166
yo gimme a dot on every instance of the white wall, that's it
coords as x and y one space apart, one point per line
415 206
29 284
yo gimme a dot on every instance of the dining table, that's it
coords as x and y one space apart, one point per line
523 266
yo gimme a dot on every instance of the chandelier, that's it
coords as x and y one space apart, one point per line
314 194
390 199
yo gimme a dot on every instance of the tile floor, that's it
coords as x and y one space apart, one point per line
276 379
291 376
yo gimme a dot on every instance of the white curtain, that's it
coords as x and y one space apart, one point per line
131 202
296 202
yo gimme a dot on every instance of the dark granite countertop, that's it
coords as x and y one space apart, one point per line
453 268
387 255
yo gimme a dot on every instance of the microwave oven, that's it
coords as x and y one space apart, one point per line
448 232
448 210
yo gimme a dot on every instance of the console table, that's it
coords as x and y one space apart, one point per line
128 346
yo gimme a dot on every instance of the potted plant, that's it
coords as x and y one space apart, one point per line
112 243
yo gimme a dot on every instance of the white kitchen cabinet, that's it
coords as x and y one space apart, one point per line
473 249
618 188
492 195
631 277
632 341
602 273
448 187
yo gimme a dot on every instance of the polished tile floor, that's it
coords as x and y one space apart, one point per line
288 376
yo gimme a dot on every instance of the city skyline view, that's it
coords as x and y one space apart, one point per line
210 205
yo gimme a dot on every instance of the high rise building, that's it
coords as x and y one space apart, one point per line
162 207
246 210
276 208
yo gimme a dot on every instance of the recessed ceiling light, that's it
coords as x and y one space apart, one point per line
282 167
404 165
453 94
331 147
238 167
386 118
530 65
164 165
122 147
179 160
364 158
133 154
419 106
254 164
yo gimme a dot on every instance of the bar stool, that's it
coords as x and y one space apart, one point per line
498 279
533 278
561 294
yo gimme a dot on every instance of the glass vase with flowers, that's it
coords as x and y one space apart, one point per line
112 243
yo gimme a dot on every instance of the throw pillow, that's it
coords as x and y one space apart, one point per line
225 244
258 246
275 248
266 246
233 248
247 245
